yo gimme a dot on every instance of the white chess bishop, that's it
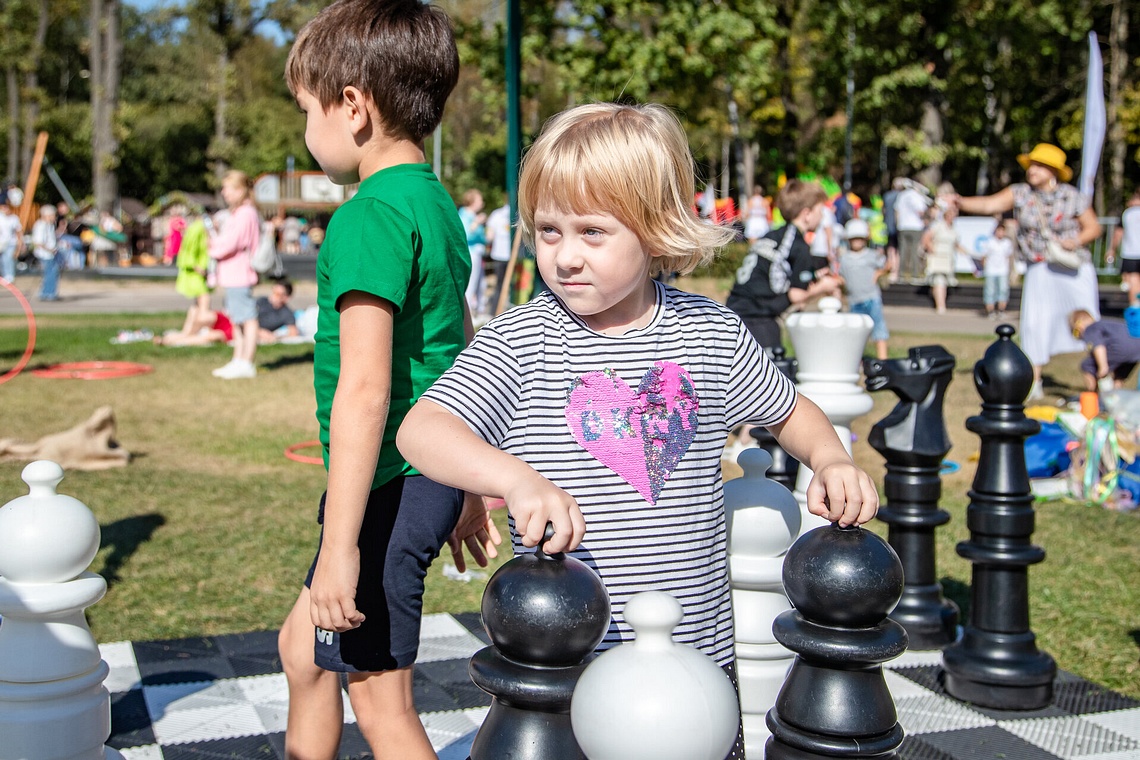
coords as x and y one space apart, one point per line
53 704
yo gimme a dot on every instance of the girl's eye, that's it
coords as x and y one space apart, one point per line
593 233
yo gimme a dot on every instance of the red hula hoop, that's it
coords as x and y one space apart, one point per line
291 453
93 370
31 345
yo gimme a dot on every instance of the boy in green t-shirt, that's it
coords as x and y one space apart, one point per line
372 77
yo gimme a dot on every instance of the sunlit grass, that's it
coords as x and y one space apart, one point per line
210 529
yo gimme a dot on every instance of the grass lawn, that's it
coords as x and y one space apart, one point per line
210 528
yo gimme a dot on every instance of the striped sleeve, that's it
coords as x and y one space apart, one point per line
482 387
759 393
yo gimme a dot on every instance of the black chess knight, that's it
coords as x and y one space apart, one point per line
913 440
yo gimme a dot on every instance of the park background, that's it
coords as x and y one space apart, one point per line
142 98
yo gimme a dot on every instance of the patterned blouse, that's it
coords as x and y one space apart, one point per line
1059 208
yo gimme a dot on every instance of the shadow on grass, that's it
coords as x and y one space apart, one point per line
959 593
125 536
287 361
1054 386
1135 634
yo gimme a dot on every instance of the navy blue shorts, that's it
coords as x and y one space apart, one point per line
406 523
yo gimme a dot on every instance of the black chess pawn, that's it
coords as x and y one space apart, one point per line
545 614
784 468
996 663
913 441
835 701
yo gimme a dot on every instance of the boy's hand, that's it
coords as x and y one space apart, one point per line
332 594
477 531
536 501
842 493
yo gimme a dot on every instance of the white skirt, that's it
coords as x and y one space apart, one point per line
1048 296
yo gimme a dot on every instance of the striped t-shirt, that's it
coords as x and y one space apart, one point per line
633 427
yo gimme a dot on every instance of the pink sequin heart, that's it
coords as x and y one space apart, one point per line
639 435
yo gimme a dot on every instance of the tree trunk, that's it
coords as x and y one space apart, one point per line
220 154
31 104
932 135
105 65
12 84
1118 63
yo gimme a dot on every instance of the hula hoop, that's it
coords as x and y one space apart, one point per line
92 370
948 467
31 345
291 453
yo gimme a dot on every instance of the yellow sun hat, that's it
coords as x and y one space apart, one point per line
1047 155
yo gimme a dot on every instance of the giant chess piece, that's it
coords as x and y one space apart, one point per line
996 663
913 440
654 699
763 521
784 468
829 352
53 704
545 615
835 702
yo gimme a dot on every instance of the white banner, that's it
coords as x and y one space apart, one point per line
1094 118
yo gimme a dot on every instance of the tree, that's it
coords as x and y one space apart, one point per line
106 60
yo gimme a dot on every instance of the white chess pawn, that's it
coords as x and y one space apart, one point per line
829 354
53 703
763 521
654 699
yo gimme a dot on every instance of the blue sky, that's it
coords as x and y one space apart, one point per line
267 29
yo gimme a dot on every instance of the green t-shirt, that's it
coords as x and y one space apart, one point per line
398 238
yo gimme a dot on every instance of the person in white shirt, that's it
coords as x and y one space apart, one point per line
11 238
910 211
1126 239
499 239
45 248
825 242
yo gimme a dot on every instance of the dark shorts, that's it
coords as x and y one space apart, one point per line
406 523
766 331
1129 266
1119 372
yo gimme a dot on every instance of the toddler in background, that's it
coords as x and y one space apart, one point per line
861 266
996 254
1113 352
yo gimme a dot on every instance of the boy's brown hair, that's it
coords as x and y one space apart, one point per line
796 196
399 53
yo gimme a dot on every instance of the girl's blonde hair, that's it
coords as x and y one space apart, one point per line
629 161
240 179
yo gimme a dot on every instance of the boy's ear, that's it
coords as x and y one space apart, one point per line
355 104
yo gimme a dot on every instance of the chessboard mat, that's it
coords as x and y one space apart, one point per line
225 697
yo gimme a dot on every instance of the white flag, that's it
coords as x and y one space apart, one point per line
1094 118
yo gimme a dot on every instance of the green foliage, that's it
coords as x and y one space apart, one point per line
990 79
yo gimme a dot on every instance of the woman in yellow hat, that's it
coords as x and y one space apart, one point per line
1047 208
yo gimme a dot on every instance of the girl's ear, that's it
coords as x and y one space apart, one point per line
355 105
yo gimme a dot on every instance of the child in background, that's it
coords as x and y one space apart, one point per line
861 266
232 250
941 244
372 77
777 271
603 405
996 255
1113 352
